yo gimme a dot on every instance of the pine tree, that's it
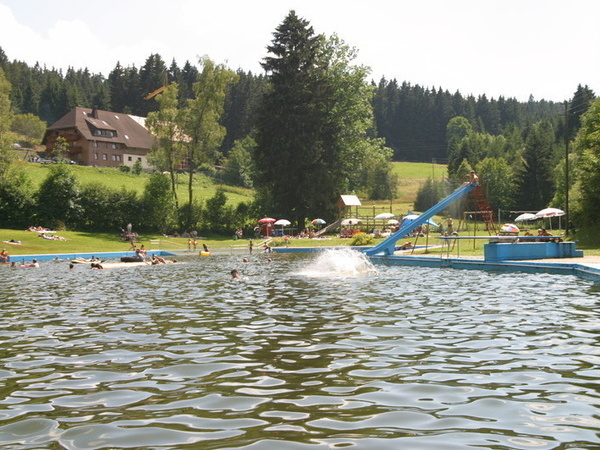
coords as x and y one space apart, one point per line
582 99
290 120
116 87
313 124
153 75
536 184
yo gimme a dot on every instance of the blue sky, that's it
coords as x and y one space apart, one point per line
510 48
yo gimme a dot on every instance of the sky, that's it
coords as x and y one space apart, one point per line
510 48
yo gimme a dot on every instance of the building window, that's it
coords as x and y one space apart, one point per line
104 156
95 143
108 133
95 155
129 158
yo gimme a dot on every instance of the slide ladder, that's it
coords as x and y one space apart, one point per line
486 211
388 246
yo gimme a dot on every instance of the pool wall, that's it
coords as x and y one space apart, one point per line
558 268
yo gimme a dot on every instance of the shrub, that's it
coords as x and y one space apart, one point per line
279 242
137 167
362 239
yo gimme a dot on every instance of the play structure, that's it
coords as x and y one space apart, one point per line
500 247
388 246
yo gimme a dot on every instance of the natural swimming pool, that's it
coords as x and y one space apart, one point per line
306 351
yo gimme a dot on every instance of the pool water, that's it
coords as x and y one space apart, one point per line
305 351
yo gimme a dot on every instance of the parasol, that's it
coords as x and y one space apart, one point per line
525 217
510 228
384 216
351 221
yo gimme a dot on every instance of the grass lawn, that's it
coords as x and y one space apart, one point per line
80 242
412 176
204 186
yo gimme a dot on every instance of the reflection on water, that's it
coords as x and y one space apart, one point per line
305 351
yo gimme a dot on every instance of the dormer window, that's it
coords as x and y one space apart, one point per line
105 133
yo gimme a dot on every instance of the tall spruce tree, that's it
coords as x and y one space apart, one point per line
290 120
312 124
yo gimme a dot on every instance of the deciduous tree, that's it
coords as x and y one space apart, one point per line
200 118
588 146
6 156
168 152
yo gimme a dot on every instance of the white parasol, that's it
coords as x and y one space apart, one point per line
351 221
384 216
525 217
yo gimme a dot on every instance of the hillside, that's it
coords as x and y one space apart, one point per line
204 186
411 177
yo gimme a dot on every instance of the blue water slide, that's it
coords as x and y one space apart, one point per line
388 246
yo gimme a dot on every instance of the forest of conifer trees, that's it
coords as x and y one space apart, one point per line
411 118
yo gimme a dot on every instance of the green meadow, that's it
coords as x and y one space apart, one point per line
411 176
204 186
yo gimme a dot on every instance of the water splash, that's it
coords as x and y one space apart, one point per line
339 263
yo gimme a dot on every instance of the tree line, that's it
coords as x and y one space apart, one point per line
411 119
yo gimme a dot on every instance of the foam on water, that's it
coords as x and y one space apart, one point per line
339 263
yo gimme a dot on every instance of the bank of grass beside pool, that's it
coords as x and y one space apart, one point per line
84 242
87 242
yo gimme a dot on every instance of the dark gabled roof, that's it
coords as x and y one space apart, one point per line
128 130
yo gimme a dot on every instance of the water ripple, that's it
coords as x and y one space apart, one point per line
304 351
